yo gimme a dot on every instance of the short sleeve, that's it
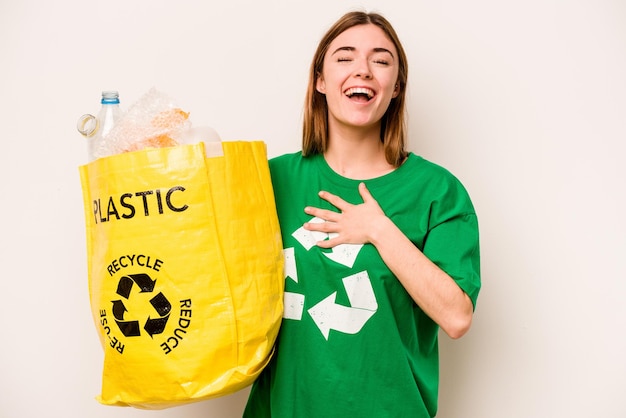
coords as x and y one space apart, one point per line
452 240
453 245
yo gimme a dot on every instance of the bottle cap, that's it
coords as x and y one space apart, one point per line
87 125
110 97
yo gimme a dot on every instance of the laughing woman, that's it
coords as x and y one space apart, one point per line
381 246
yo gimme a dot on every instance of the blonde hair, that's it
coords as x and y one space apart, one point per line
393 129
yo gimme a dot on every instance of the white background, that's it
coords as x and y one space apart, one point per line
525 101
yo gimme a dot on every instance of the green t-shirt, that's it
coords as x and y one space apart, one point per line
352 342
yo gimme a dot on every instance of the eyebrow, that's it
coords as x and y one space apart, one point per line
352 49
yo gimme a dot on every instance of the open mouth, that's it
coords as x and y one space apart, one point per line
360 94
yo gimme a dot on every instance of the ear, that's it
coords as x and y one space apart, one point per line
320 85
396 91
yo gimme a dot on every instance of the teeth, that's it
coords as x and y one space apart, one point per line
360 90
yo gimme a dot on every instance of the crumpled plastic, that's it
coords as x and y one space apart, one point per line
154 121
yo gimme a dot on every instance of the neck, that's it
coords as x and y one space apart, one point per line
357 155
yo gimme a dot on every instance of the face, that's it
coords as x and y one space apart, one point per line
359 77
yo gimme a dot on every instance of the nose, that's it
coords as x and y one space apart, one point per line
362 69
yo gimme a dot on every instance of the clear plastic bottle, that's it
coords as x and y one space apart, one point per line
96 128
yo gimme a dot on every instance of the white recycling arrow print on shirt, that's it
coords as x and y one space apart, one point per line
347 319
293 302
345 254
327 314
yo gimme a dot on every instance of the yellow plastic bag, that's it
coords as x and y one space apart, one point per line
185 271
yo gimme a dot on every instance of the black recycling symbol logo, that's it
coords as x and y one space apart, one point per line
162 307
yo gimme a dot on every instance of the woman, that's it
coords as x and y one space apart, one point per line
381 246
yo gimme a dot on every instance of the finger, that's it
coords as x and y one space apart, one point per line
325 214
327 227
365 193
334 200
329 243
324 244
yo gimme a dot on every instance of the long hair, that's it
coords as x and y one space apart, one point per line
393 129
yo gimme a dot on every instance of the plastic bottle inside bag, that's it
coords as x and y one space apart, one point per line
96 128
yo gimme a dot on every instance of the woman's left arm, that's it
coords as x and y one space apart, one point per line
434 291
